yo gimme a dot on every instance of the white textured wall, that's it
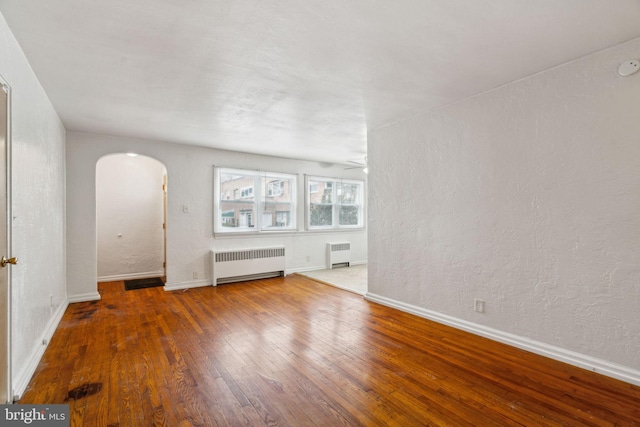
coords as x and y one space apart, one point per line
38 201
528 197
129 209
189 235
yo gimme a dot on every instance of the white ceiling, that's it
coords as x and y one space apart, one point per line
300 79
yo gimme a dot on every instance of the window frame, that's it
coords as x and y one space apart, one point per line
333 184
259 196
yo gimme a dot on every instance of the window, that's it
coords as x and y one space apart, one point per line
228 218
334 203
246 192
275 188
262 201
282 218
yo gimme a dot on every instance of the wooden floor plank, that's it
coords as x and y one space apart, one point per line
294 352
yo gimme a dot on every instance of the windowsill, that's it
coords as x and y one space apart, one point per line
262 234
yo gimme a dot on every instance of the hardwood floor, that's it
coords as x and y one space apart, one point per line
294 352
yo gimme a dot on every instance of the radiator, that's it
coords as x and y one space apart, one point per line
247 264
338 254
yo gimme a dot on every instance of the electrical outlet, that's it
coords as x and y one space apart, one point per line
478 305
195 274
185 208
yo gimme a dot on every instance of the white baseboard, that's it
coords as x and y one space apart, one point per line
174 286
303 269
21 381
600 366
89 296
131 276
319 267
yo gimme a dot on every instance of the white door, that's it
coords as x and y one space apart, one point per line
5 262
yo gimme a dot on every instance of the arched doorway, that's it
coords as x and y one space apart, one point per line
130 217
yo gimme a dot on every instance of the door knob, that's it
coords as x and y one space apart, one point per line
4 261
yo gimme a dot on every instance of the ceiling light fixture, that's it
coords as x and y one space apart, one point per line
132 154
629 67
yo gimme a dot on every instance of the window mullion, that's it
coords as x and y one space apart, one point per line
334 199
259 200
